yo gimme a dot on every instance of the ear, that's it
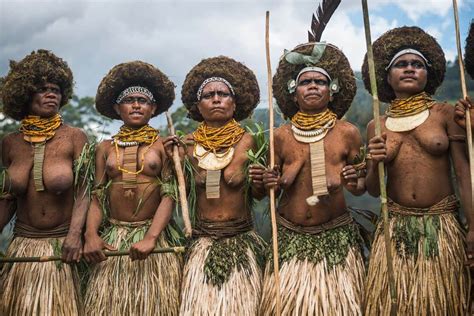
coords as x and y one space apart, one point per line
154 107
331 98
389 78
117 109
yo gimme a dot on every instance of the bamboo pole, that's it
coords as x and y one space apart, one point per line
380 166
464 95
276 268
106 253
188 231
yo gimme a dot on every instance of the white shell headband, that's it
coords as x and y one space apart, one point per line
213 79
404 52
135 89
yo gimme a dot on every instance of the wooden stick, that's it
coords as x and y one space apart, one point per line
276 268
381 168
107 254
464 95
188 231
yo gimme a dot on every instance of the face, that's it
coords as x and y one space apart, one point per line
312 92
46 101
135 110
408 75
217 105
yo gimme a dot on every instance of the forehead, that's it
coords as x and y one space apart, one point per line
312 75
409 57
216 86
137 95
49 85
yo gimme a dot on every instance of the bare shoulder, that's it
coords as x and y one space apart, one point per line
11 138
282 132
246 142
443 108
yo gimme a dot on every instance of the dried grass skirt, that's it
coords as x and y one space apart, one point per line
45 288
319 274
226 285
120 286
429 273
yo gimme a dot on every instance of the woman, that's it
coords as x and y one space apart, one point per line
222 275
131 189
316 156
42 188
419 139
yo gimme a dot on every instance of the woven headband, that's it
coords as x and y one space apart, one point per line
135 89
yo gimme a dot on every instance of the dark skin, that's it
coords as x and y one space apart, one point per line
418 161
135 113
292 172
217 107
55 205
460 112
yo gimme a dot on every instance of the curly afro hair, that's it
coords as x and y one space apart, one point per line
242 79
134 73
30 73
337 66
393 41
469 51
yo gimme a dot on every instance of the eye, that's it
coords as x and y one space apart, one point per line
401 64
305 82
223 94
207 96
321 82
142 101
418 64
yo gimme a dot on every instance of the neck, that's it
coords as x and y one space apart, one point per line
313 111
216 124
405 95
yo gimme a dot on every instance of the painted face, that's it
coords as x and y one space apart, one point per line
407 76
135 110
217 105
46 101
312 92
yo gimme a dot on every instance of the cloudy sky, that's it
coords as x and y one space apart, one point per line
93 36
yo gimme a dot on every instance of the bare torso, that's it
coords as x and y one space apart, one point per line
418 165
53 206
232 202
340 145
143 202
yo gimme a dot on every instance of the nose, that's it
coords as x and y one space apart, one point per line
216 98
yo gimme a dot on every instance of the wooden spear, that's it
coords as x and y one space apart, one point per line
276 268
464 95
181 183
381 168
107 254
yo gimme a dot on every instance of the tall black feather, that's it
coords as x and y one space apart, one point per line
323 14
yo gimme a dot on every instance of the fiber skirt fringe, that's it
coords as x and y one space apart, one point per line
45 288
239 294
120 286
316 288
434 285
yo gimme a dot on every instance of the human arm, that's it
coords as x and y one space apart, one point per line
377 151
353 173
460 112
461 165
93 243
7 200
140 250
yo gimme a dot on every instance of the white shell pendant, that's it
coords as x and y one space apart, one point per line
407 123
209 161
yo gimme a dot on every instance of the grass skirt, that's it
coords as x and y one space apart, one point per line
45 288
428 265
320 274
120 286
223 277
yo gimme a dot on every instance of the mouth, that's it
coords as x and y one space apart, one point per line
408 78
136 114
312 95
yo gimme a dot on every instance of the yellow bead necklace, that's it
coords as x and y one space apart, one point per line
217 138
144 135
307 122
42 128
410 106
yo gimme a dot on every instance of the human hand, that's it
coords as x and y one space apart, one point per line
71 249
168 143
460 111
349 176
271 178
93 249
140 250
377 148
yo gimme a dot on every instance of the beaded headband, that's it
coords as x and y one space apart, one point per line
213 79
404 52
135 89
